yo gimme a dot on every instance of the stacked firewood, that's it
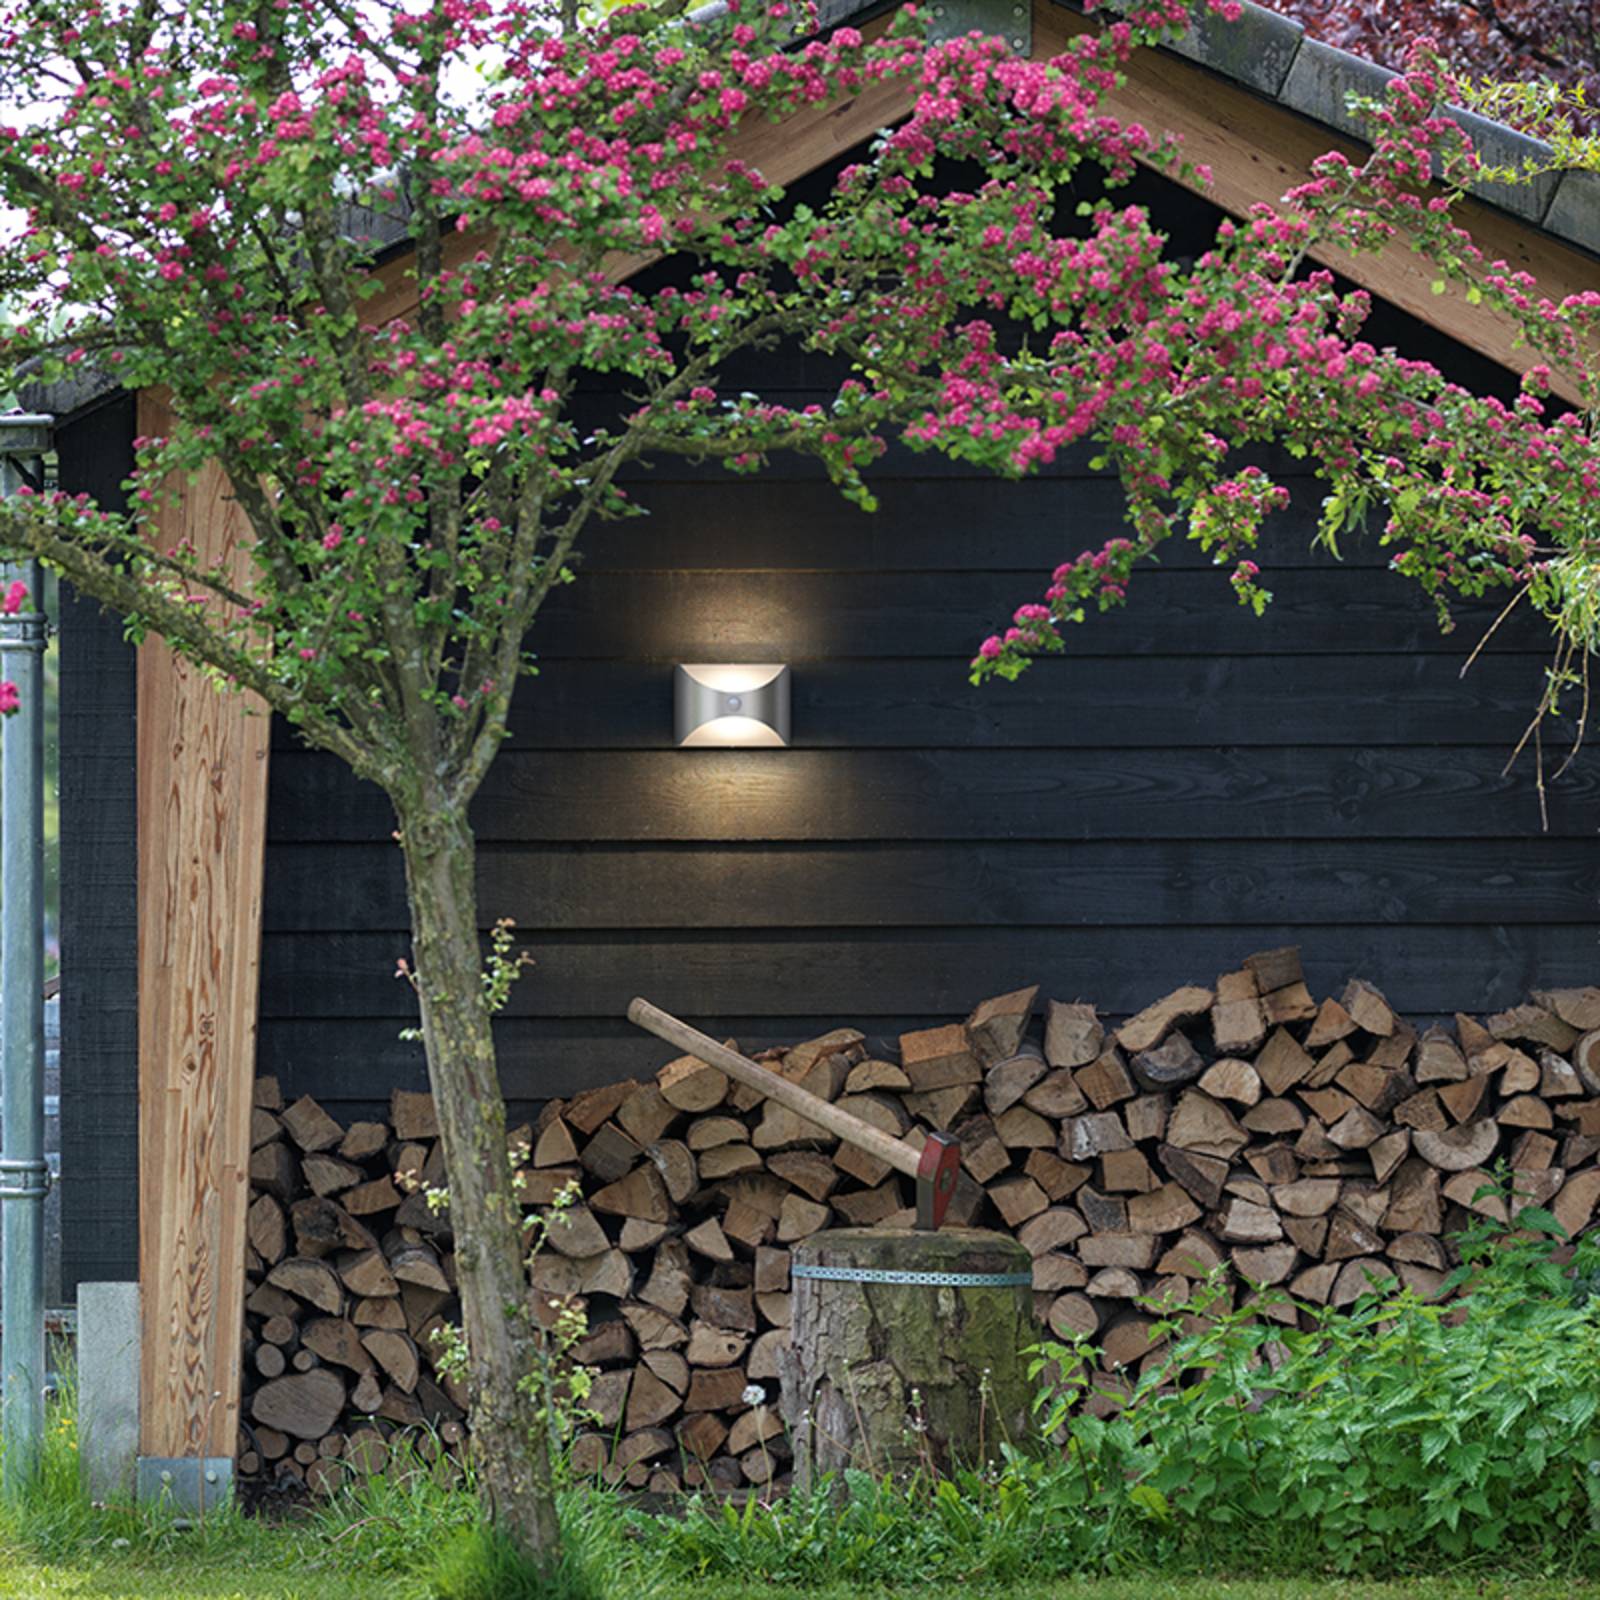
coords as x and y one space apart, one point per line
1309 1145
348 1276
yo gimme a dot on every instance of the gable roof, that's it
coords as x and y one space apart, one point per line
1259 89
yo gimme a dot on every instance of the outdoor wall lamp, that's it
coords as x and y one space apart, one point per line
726 707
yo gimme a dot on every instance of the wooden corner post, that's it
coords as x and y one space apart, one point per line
202 807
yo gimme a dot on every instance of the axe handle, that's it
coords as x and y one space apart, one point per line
774 1086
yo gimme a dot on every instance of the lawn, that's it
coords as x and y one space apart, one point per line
290 1565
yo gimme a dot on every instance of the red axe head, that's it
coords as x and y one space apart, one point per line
936 1178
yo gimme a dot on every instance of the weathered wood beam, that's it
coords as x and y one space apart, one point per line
202 808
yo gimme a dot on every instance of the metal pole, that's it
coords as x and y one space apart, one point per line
24 1175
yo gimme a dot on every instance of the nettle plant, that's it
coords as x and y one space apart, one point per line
399 440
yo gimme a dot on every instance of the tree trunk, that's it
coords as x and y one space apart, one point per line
511 1436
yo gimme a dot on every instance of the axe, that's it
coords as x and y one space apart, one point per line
934 1167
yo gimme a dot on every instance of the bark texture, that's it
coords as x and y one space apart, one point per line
887 1377
511 1437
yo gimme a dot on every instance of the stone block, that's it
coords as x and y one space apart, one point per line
108 1388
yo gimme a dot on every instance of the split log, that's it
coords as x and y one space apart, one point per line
1072 1036
1462 1099
396 1354
363 1140
869 1075
1017 1199
1092 1134
310 1280
1456 1149
335 1339
1126 1172
641 1194
1199 1124
310 1126
1234 1080
1105 1081
1146 1030
610 1154
1169 1065
1163 1210
1282 1063
996 1026
1200 1174
1368 1009
274 1171
715 1389
305 1405
264 1226
689 1084
939 1058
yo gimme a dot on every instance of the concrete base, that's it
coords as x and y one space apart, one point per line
108 1388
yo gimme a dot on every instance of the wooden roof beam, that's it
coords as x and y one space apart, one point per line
1257 150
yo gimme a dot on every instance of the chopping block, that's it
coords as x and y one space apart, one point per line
905 1350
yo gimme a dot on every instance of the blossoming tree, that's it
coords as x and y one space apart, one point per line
413 482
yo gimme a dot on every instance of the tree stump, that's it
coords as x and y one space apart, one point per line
888 1376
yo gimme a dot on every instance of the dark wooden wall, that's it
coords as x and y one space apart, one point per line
99 895
1187 785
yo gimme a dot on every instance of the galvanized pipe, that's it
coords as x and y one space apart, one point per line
24 1175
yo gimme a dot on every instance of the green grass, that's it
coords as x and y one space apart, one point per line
282 1567
1159 1588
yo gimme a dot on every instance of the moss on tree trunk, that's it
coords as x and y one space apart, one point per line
887 1377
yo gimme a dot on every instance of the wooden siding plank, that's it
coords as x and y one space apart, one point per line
746 971
202 826
966 525
1425 972
1077 699
788 616
899 461
958 884
1283 791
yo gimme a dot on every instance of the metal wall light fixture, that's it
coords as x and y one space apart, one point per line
730 707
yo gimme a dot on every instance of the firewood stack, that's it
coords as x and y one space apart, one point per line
1311 1145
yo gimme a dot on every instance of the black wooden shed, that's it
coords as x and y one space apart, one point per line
1188 784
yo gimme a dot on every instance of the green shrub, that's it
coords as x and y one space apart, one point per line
1399 1435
